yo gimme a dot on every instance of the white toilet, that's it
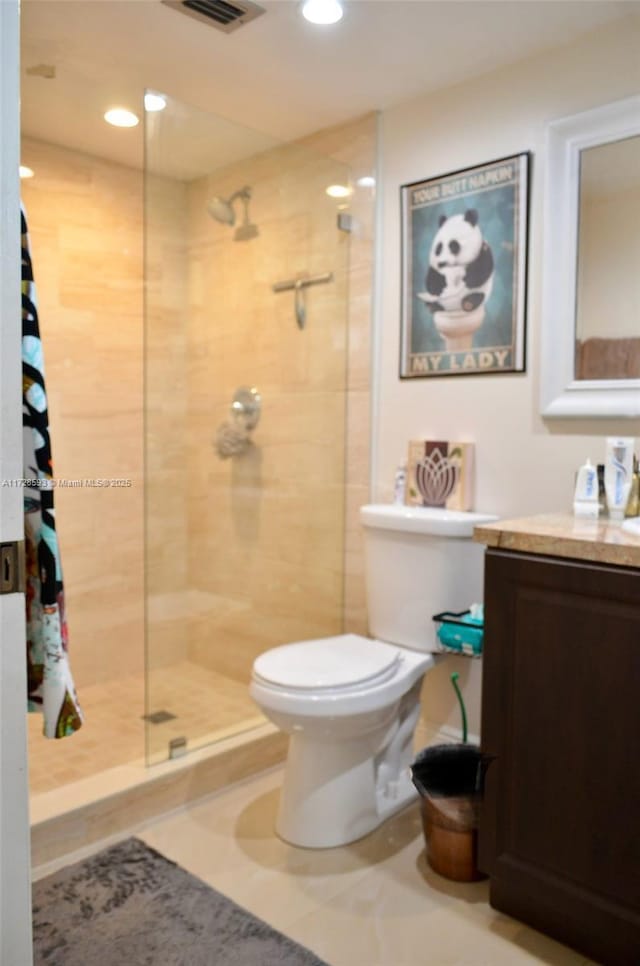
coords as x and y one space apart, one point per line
350 704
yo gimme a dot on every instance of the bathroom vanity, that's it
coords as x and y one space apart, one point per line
559 834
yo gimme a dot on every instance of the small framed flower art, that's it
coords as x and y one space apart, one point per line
464 271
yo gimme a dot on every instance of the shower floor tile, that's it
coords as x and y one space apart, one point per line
204 706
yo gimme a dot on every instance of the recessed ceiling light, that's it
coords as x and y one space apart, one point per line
366 182
154 102
338 191
26 172
120 117
322 11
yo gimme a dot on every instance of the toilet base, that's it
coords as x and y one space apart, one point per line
335 791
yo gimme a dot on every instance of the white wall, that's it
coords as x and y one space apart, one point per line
524 466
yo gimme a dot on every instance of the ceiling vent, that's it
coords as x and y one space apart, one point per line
222 14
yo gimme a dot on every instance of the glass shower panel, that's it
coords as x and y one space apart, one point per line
246 275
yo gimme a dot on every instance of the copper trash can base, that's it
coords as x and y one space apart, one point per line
451 834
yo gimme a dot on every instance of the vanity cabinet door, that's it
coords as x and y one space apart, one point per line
560 830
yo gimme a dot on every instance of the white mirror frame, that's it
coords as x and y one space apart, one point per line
563 396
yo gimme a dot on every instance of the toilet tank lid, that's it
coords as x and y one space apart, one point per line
330 662
418 519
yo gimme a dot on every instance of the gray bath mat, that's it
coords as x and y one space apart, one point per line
129 906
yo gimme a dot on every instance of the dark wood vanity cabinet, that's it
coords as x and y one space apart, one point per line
560 829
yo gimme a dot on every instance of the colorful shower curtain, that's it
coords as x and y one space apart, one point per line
51 688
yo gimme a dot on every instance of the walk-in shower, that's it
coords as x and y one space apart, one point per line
223 211
238 554
177 580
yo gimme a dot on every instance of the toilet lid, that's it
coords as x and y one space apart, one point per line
331 662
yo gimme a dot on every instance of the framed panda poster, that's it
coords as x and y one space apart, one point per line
464 266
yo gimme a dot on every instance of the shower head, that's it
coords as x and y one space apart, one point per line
246 231
223 211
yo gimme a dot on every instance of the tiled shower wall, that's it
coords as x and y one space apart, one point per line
86 220
267 534
355 144
266 528
165 360
86 224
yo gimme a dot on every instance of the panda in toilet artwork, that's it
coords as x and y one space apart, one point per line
463 271
461 267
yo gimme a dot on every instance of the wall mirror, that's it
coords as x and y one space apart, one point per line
591 285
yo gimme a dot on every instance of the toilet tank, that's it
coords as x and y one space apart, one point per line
419 561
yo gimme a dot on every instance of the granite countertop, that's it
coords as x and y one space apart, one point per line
563 535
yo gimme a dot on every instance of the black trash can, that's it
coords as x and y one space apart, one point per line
450 779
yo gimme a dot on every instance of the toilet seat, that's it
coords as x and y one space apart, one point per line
335 676
345 662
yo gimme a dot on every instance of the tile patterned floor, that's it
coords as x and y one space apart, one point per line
373 903
207 706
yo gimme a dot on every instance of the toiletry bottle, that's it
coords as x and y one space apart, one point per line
602 496
633 503
400 483
618 470
585 500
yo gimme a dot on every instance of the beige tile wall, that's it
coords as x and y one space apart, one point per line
267 536
266 529
355 144
258 571
85 219
165 429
